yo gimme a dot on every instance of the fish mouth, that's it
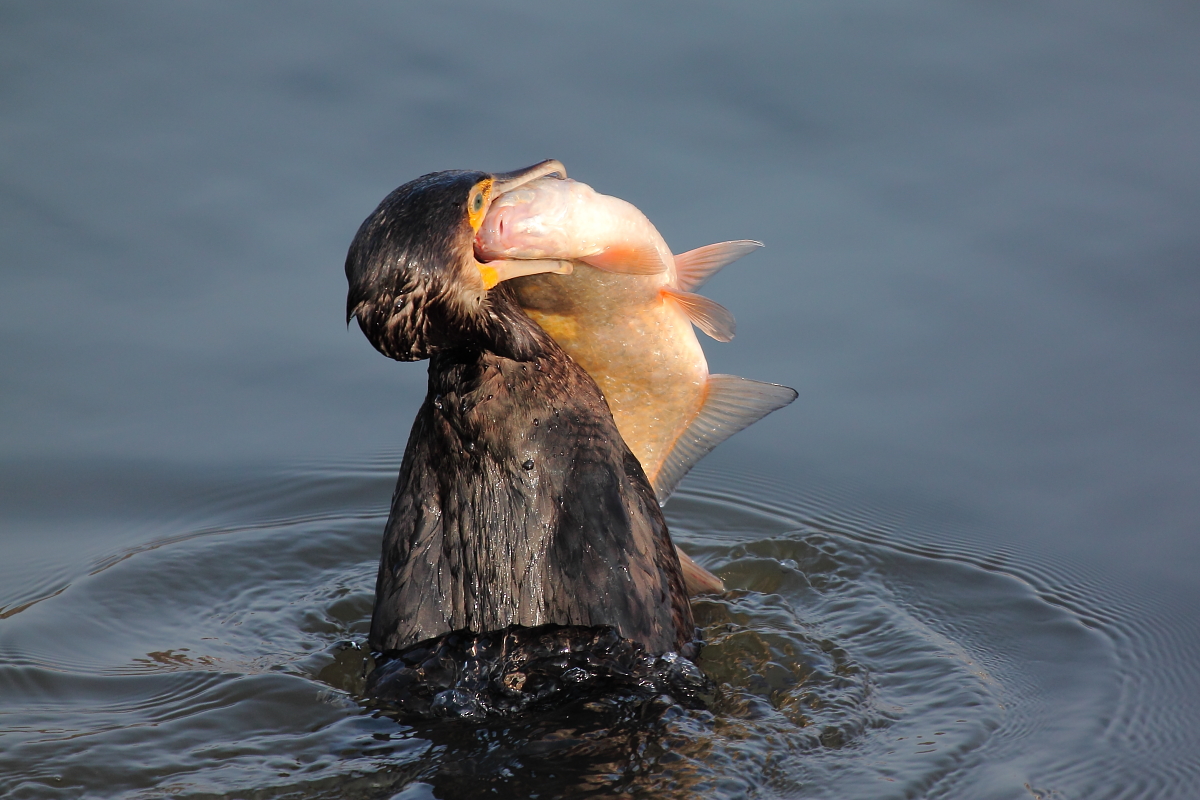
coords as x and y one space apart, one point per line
504 182
496 270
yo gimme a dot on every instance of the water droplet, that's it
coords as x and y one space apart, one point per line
437 402
470 447
576 675
535 422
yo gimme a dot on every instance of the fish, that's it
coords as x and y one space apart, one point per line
625 312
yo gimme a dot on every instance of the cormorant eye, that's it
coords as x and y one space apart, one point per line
477 202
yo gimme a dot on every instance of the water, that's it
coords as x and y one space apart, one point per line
963 563
225 656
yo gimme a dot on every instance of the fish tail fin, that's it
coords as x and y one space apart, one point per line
707 315
730 404
697 579
695 267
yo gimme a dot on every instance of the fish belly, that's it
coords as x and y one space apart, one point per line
636 344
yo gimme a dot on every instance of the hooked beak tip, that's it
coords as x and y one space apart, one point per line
507 181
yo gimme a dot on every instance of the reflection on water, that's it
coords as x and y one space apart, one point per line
229 658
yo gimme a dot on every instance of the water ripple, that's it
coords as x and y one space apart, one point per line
854 658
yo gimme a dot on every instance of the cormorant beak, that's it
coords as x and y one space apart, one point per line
494 272
503 269
507 181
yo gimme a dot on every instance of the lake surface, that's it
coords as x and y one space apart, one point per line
964 563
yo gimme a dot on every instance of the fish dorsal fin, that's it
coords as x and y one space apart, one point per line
707 315
730 405
695 267
628 260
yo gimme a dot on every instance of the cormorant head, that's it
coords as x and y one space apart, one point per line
415 284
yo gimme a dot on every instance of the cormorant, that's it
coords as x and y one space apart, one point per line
518 503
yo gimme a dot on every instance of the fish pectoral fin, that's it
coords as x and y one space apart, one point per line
639 260
730 405
707 315
695 267
697 579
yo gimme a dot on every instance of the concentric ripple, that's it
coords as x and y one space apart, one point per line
221 654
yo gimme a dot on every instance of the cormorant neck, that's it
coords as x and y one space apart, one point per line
509 332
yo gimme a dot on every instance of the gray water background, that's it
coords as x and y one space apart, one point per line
981 275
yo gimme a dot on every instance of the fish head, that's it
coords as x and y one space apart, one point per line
564 219
533 220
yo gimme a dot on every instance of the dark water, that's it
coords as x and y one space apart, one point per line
963 564
213 660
